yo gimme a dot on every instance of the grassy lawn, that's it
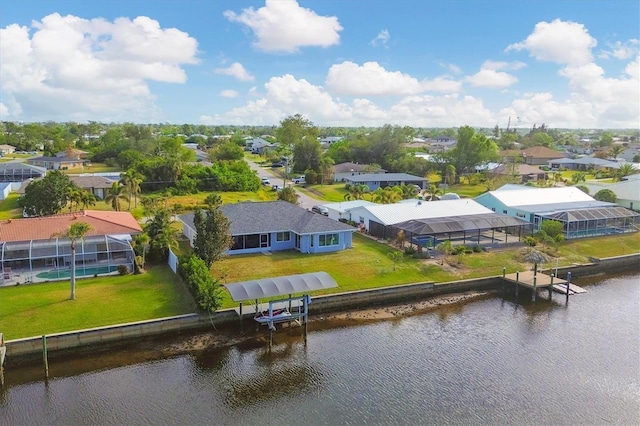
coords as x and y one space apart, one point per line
94 168
9 207
37 309
333 193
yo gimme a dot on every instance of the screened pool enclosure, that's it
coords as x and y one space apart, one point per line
48 260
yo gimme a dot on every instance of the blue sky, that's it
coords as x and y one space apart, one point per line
569 64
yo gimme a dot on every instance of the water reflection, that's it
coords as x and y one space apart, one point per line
488 361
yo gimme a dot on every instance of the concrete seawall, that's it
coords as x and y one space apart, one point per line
321 304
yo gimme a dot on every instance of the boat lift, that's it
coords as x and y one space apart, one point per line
299 285
298 314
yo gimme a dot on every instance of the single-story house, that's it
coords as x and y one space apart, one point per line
344 170
535 156
342 210
382 180
258 145
258 227
524 172
425 223
57 163
584 163
19 172
73 153
7 149
96 185
627 191
33 249
581 215
540 155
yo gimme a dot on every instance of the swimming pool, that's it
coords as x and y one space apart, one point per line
80 272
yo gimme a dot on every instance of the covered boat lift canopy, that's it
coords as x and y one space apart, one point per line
281 286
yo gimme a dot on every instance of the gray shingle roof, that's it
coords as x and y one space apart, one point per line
274 216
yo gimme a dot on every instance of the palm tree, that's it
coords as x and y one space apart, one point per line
356 192
131 181
387 195
433 192
616 150
116 194
88 199
326 165
76 231
450 174
75 196
625 169
161 232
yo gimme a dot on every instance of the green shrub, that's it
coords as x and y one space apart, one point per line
123 270
410 251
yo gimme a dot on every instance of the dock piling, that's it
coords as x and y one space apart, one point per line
568 285
45 357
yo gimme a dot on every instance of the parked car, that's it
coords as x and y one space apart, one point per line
298 179
265 181
320 210
278 164
276 187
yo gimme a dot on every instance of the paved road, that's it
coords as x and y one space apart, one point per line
304 200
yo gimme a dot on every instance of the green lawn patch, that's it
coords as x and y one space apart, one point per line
37 309
9 208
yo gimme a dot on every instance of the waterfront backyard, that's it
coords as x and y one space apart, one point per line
37 309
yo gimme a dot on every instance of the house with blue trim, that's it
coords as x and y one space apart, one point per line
258 227
382 180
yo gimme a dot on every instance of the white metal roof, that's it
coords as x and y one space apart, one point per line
390 214
530 197
279 286
343 206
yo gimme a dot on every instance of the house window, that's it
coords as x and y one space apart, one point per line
328 240
493 209
522 215
283 236
504 211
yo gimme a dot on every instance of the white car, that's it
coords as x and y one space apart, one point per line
298 179
265 181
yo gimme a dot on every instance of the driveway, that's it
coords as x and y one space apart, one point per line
304 200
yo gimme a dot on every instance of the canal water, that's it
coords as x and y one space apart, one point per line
487 361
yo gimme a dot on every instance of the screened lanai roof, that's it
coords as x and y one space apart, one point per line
451 224
279 286
592 214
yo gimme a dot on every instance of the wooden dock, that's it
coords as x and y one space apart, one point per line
536 281
526 279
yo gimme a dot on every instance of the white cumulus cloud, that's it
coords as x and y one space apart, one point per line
490 77
235 70
284 26
284 94
371 79
74 68
563 42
